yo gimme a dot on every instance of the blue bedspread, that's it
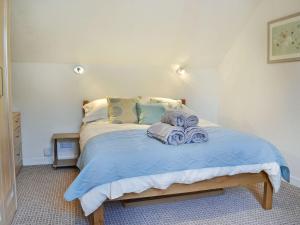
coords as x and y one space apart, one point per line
124 154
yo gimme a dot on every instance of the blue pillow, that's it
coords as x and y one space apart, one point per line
149 113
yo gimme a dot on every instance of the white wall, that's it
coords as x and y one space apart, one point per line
127 47
49 96
201 88
263 98
127 32
126 58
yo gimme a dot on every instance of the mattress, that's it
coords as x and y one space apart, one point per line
115 188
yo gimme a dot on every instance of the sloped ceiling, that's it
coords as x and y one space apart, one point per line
127 32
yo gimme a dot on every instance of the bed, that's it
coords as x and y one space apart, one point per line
161 170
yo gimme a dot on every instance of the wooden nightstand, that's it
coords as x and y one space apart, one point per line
17 141
60 137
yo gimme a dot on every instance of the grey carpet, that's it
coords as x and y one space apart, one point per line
40 201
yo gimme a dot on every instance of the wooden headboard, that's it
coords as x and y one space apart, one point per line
85 102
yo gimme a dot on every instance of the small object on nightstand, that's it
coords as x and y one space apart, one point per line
64 137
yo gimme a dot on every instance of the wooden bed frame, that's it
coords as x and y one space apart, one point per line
244 179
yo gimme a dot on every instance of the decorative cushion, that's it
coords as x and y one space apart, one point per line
167 102
149 113
95 110
122 110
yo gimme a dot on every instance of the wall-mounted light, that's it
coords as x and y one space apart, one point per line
78 69
180 70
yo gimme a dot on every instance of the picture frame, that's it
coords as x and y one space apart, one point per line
284 39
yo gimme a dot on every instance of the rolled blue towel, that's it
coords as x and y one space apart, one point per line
166 133
180 118
174 118
195 135
191 120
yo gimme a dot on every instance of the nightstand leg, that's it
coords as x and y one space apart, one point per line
55 154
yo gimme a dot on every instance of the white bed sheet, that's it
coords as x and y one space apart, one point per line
96 196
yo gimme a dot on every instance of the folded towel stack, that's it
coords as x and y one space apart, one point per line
167 133
180 119
195 135
177 127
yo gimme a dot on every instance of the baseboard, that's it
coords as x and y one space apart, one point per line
37 161
295 181
42 160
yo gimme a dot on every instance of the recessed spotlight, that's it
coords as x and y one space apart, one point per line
78 69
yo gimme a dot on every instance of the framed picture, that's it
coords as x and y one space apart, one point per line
284 39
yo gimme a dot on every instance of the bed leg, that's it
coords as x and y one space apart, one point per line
97 218
268 195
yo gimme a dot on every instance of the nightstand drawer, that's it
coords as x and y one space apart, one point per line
17 137
17 148
16 120
17 132
18 163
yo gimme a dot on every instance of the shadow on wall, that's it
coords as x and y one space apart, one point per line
201 86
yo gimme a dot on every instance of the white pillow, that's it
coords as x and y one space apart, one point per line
95 110
169 103
144 100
